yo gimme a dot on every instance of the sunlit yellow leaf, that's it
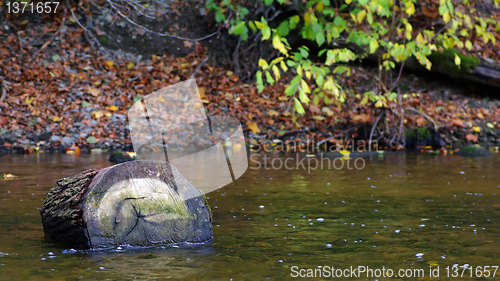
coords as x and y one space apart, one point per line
109 63
299 70
410 8
308 74
263 64
283 66
433 263
29 101
361 15
113 108
278 45
259 24
130 65
254 127
457 60
476 129
446 16
491 126
304 86
320 6
276 72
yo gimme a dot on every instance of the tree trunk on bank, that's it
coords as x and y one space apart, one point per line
138 203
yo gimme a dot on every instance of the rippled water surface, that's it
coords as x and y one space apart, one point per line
401 211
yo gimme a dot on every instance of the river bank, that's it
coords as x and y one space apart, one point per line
67 96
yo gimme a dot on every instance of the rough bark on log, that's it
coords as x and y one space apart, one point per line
138 203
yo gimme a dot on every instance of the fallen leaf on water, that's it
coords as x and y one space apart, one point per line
254 127
9 177
471 137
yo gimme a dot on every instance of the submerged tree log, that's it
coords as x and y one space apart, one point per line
139 203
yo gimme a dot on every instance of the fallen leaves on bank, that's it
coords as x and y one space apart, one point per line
82 98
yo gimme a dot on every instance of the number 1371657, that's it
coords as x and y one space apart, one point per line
15 7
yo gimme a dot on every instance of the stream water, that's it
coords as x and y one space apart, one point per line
400 211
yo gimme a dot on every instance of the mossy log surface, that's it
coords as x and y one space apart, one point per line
483 71
137 203
475 69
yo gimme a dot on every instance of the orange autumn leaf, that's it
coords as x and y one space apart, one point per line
457 122
471 137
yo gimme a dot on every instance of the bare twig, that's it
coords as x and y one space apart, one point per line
399 75
53 36
337 135
425 115
236 58
373 128
4 91
226 23
384 87
86 31
198 67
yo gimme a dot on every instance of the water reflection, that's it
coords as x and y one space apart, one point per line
400 211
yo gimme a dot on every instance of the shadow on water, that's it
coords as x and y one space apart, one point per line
401 211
